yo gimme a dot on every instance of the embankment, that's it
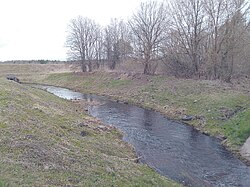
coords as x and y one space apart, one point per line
48 141
216 108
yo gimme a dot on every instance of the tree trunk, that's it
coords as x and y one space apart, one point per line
147 68
83 67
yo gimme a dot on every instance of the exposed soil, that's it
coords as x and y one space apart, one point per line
245 150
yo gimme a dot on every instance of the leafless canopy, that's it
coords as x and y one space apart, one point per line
117 45
82 41
148 26
205 36
194 38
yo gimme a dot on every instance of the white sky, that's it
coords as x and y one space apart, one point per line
36 29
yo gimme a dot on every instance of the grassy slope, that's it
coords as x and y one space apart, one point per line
221 109
41 145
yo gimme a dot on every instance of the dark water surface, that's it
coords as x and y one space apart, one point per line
173 149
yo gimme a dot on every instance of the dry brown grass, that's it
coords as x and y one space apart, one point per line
48 141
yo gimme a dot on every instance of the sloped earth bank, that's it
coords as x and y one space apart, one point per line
216 108
48 141
220 109
173 149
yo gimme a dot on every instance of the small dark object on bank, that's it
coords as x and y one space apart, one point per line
83 133
83 125
13 78
187 118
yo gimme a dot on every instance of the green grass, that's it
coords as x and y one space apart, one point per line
238 128
222 109
41 144
214 103
3 184
118 83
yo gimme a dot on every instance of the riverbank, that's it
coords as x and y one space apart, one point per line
48 141
175 150
215 108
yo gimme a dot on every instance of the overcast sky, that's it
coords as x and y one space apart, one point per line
36 29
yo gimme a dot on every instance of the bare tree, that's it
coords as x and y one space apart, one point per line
116 42
148 26
186 32
81 41
201 38
216 15
124 42
241 64
112 36
227 24
206 37
99 48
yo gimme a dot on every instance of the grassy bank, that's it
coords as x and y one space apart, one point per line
220 109
48 141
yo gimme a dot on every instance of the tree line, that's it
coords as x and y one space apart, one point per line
193 38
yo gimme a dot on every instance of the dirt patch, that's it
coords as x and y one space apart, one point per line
227 113
245 150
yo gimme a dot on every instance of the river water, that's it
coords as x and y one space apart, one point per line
173 149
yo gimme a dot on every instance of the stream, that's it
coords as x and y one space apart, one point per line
173 149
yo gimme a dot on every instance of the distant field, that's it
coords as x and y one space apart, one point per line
33 68
31 72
